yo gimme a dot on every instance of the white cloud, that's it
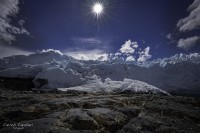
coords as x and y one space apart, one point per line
130 51
193 20
129 47
144 55
88 55
6 51
187 43
118 54
9 8
130 58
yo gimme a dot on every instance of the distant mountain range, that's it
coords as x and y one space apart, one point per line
179 74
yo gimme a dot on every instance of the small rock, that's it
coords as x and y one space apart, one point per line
80 120
129 111
111 120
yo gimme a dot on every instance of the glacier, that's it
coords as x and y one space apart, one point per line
179 74
110 86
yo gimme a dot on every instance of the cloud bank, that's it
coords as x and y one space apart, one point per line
6 51
88 55
128 52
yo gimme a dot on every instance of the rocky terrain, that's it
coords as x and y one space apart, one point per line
81 112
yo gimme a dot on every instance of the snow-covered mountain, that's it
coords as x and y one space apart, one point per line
179 74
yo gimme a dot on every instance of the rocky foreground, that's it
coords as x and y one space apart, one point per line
72 112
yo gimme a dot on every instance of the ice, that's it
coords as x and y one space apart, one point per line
109 86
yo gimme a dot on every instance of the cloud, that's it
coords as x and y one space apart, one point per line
128 52
191 22
144 55
118 54
129 47
87 40
130 58
50 50
8 32
187 43
91 43
6 51
8 7
88 55
90 48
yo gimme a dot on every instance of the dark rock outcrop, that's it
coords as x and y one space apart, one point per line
17 84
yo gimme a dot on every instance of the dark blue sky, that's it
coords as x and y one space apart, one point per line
67 24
